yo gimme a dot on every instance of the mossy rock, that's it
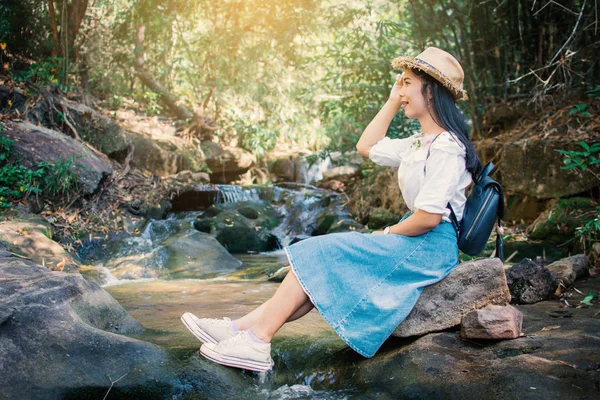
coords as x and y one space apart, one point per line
346 225
381 217
560 221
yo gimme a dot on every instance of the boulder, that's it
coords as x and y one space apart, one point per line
226 163
492 322
469 286
156 149
535 158
197 255
59 333
289 169
570 268
530 283
341 172
36 144
33 239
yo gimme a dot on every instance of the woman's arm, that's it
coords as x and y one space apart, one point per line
377 128
416 224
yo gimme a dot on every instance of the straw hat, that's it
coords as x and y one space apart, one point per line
439 64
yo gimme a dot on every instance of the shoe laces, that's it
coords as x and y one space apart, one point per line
214 321
232 341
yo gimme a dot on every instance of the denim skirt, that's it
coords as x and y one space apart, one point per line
365 285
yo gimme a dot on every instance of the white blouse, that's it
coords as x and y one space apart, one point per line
445 180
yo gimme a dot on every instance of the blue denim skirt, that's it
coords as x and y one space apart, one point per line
365 285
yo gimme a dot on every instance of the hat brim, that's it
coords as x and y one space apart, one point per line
407 62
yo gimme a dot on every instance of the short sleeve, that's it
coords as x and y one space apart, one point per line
388 151
445 165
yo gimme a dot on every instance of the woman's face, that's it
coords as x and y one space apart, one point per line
413 102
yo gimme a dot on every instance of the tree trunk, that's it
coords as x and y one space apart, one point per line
54 28
170 101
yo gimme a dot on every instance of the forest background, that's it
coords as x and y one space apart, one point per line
313 73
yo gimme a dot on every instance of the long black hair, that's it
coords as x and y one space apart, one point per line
447 115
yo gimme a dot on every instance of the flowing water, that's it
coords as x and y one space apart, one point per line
310 358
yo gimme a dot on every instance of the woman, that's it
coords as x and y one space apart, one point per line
364 285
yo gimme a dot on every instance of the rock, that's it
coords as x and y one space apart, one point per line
530 283
341 172
380 217
155 151
197 255
59 333
492 322
569 269
535 158
36 144
471 285
33 239
226 163
558 222
289 169
280 274
345 225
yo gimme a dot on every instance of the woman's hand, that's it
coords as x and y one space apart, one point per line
377 233
395 96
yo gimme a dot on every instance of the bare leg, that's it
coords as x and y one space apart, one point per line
285 303
249 319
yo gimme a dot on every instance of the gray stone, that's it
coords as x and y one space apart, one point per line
36 144
343 171
570 268
33 239
530 283
471 285
492 322
58 332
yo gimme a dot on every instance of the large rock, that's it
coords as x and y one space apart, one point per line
536 159
156 149
59 333
36 144
226 163
492 322
33 239
471 285
570 268
530 283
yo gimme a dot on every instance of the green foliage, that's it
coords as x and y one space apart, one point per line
580 109
594 93
590 232
47 72
581 159
585 160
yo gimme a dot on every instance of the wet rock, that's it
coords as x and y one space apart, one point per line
345 225
569 269
280 274
226 163
59 332
380 217
492 322
288 169
197 255
36 144
530 283
241 227
470 286
342 172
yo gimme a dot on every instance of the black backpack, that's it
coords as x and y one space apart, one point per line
485 203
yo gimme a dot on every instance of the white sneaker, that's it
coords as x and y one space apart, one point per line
240 351
208 330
